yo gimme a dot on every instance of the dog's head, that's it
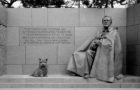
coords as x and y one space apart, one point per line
43 63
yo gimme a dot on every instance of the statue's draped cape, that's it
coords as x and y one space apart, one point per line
102 63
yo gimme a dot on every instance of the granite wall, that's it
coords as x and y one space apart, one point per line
23 58
3 37
133 40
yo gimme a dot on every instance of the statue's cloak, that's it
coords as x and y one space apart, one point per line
104 63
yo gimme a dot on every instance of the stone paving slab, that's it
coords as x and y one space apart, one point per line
64 81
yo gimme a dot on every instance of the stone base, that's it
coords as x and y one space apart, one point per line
64 81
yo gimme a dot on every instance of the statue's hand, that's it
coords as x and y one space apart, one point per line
98 42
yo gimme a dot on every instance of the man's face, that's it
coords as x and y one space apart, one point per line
106 21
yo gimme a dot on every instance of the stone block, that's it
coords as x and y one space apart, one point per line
57 69
137 14
25 17
130 85
130 16
122 33
12 36
88 17
3 35
138 33
132 34
33 53
137 49
38 17
63 17
15 55
64 53
118 16
14 69
52 69
3 54
13 17
133 70
28 69
84 33
131 49
19 17
3 16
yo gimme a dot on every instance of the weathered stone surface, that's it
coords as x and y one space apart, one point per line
88 17
33 53
3 16
118 16
63 17
14 69
39 17
50 35
15 55
12 36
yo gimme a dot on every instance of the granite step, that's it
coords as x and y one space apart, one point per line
64 81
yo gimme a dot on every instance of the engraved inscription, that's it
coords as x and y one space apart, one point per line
51 35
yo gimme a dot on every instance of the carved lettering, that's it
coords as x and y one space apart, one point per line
51 35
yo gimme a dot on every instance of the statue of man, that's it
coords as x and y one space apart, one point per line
99 57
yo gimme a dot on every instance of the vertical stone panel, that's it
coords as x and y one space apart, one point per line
84 33
91 17
57 69
15 55
118 16
64 53
122 33
138 33
130 16
14 69
28 69
133 70
25 17
19 17
34 52
38 17
13 17
137 14
132 34
63 17
3 16
12 36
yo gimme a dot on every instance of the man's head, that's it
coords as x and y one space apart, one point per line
106 21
